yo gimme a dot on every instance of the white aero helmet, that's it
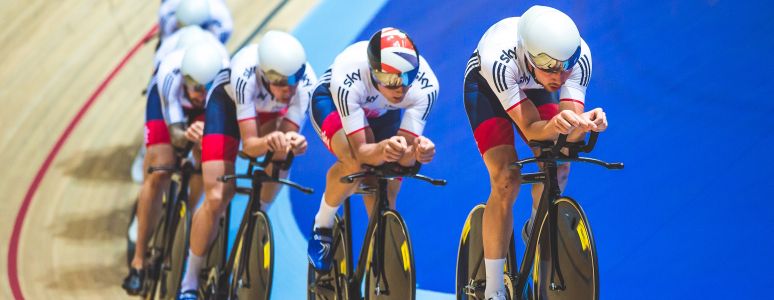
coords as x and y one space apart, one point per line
281 58
189 36
201 62
192 12
550 39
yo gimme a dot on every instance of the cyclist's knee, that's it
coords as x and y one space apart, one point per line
157 178
217 199
505 184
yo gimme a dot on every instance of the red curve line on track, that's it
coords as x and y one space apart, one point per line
13 245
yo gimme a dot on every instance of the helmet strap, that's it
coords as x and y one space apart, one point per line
531 69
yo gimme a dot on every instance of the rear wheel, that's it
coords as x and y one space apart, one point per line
396 279
257 265
331 285
471 272
575 253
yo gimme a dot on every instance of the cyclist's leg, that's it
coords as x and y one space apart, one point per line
219 147
159 153
149 204
493 132
335 190
327 123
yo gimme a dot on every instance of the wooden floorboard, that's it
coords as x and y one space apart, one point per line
55 54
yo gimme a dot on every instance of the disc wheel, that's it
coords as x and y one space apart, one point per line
471 272
254 279
577 276
396 280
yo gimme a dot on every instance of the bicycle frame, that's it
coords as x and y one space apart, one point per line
181 175
550 193
257 177
550 155
375 220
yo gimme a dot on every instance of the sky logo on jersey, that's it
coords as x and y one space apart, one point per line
506 56
351 78
424 81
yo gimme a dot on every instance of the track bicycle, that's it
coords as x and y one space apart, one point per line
386 260
560 259
247 273
167 247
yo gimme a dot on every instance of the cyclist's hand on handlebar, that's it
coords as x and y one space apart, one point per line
424 149
393 148
297 142
195 132
277 142
566 120
598 117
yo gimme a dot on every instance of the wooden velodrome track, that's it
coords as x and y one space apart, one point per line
67 191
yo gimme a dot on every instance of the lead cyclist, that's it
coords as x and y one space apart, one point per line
532 72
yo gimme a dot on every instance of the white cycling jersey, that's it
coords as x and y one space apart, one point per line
170 84
221 24
252 96
502 64
357 99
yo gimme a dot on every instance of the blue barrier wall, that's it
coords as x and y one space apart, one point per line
685 85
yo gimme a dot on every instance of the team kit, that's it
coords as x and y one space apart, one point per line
528 75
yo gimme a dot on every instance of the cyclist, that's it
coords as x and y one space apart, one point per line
181 39
370 107
211 15
532 72
261 99
174 117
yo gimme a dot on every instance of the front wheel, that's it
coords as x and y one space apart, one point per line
471 272
251 274
576 273
395 279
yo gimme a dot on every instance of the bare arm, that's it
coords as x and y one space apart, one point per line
527 118
256 146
